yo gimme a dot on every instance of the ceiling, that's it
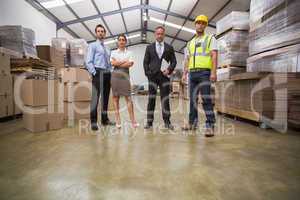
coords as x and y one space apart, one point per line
136 18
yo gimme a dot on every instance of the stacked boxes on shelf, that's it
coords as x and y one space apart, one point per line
78 51
232 34
43 109
263 97
19 39
77 93
60 52
6 90
52 55
274 36
274 45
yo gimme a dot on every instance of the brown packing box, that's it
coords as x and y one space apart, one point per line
80 91
274 97
77 110
44 52
36 92
6 105
11 53
75 75
4 63
6 84
50 119
16 108
53 55
176 86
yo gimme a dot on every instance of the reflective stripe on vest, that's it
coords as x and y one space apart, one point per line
200 55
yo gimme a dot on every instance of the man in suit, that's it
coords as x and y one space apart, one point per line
154 56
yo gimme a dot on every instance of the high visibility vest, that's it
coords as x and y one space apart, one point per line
200 57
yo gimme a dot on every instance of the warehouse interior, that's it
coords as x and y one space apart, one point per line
48 149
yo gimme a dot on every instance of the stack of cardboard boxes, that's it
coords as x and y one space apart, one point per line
274 38
6 90
274 46
42 103
78 50
232 34
77 93
19 39
269 91
61 52
52 55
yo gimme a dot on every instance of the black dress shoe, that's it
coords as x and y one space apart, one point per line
169 126
148 126
209 132
189 128
108 123
94 127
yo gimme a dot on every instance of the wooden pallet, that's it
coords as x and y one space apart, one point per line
250 115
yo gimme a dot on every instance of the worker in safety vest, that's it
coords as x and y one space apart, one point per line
200 66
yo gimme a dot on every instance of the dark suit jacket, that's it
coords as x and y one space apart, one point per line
152 63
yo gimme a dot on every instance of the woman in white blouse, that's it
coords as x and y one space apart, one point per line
121 60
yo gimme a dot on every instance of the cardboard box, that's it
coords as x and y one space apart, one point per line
55 56
4 63
78 51
11 53
43 122
16 109
235 21
75 75
273 24
226 73
284 59
40 92
6 84
77 110
6 106
175 87
18 38
80 91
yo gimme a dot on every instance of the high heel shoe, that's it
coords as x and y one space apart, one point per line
119 126
135 125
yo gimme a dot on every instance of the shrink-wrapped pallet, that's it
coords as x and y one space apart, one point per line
61 48
286 59
19 39
273 24
78 51
233 48
235 20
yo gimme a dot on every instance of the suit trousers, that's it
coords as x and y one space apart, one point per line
163 82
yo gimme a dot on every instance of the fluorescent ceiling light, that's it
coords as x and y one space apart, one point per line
57 3
172 25
129 37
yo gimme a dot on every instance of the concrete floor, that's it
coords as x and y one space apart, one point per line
244 163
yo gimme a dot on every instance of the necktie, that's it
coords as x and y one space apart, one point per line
105 54
159 50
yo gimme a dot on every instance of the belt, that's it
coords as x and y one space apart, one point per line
199 69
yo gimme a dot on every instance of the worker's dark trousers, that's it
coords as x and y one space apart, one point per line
199 81
101 87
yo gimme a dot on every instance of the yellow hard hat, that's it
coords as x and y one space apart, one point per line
201 18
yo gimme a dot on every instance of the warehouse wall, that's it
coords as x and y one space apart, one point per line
137 71
16 12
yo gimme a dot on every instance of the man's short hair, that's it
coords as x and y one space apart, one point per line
100 26
160 27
